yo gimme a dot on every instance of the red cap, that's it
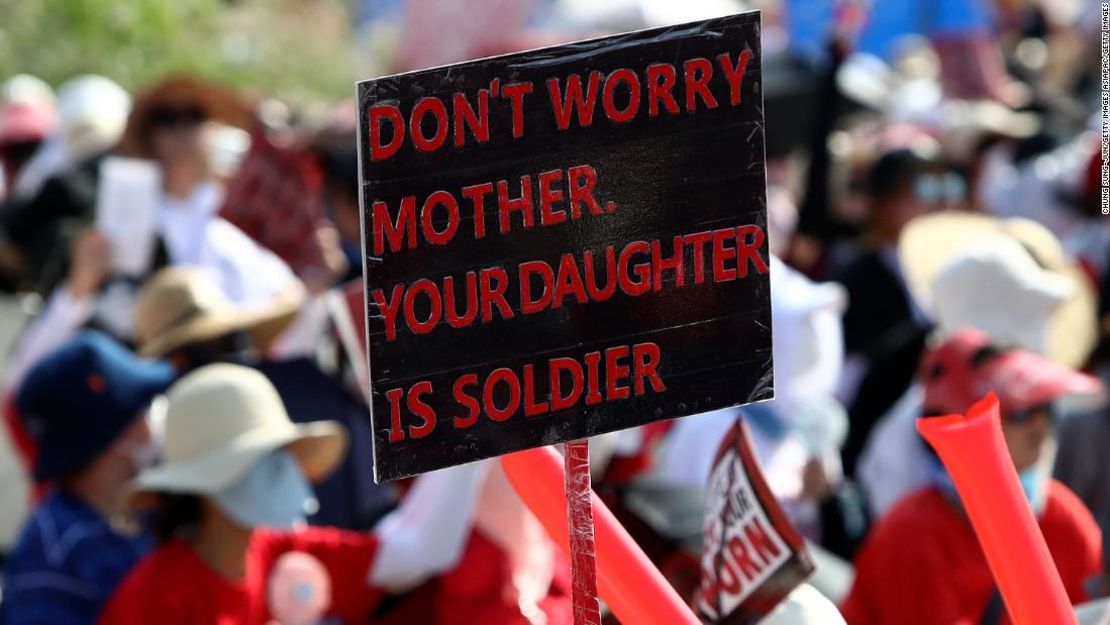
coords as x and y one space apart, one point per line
22 121
966 367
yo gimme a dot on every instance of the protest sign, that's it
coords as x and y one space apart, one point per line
752 557
126 208
564 242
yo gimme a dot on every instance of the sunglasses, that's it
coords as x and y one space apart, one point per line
169 117
1018 417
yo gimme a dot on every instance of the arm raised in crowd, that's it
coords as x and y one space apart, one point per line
425 536
69 307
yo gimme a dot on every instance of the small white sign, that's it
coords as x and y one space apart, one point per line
126 211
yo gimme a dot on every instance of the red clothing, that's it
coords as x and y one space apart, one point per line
922 564
478 591
173 586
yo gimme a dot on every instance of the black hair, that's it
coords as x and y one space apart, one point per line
231 347
176 514
340 165
893 172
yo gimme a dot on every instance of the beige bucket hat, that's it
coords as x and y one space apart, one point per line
182 305
931 242
222 419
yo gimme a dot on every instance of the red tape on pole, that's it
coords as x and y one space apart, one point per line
974 452
580 516
628 582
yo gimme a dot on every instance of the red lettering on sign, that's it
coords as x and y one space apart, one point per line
380 113
549 196
438 111
400 233
516 92
531 406
660 79
608 95
721 253
528 303
734 74
389 309
560 401
420 408
616 371
506 205
645 366
476 194
575 101
761 541
674 264
394 396
466 117
626 270
454 319
749 240
593 394
583 179
427 218
473 408
568 282
512 385
494 283
697 241
698 72
601 294
435 306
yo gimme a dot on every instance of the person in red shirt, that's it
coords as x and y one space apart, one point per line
922 564
228 505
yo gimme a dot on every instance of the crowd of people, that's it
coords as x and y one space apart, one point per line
186 435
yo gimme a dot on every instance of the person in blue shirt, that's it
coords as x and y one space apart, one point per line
85 406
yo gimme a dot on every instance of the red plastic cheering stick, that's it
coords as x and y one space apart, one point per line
974 452
630 585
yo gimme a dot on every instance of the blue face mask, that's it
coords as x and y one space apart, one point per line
273 494
1034 483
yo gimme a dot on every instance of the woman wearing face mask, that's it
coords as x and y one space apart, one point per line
922 564
229 503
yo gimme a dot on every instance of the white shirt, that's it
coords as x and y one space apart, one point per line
247 273
894 461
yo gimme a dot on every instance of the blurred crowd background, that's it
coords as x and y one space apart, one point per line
184 342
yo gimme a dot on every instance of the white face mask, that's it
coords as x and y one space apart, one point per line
273 494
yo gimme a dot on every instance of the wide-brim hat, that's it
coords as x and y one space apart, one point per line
182 305
220 421
218 103
929 243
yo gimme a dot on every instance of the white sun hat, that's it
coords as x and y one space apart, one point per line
932 243
220 421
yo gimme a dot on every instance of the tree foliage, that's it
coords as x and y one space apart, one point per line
298 50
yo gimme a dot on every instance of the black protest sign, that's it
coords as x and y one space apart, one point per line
752 557
564 242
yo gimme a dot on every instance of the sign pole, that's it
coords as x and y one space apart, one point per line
580 517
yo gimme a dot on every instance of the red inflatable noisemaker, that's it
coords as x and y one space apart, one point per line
975 455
